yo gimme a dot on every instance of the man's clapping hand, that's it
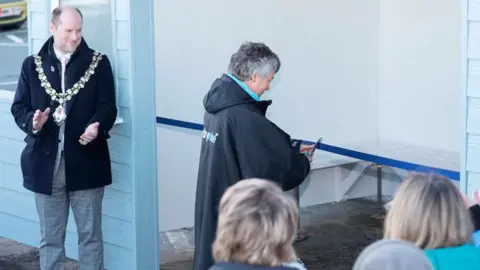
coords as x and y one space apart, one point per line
39 118
90 134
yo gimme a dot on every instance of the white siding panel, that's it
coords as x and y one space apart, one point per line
473 116
125 129
471 170
121 177
38 22
120 149
473 182
122 10
122 35
473 153
123 66
474 40
37 44
473 82
474 10
37 5
124 93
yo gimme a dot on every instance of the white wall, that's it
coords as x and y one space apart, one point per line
348 68
329 53
320 67
419 74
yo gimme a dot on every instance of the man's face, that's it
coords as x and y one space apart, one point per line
67 32
259 84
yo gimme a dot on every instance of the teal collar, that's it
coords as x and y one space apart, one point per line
244 87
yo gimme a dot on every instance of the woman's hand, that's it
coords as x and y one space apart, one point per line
476 199
305 149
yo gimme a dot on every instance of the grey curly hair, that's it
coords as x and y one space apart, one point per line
253 57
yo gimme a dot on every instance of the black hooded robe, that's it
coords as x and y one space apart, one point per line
238 142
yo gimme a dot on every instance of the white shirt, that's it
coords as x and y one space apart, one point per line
59 55
61 134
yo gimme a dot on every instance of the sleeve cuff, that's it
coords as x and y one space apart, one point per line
476 238
475 214
296 145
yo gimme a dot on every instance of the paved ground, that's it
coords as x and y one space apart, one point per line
337 233
13 49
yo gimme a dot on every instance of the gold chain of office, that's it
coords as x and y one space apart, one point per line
67 95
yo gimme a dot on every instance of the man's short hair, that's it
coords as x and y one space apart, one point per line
57 12
257 224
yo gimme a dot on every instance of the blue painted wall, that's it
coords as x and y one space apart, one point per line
17 208
127 246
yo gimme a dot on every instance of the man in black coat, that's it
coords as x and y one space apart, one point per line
65 103
239 142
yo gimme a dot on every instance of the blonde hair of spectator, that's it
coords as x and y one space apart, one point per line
257 224
429 211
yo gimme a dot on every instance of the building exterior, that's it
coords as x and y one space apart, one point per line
139 204
470 169
130 221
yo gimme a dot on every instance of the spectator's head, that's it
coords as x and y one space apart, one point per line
429 211
256 65
392 255
66 27
257 224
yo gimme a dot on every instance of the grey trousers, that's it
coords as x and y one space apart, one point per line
53 213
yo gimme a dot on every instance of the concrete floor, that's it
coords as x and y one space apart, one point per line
337 234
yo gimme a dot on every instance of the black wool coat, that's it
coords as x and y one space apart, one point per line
86 166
